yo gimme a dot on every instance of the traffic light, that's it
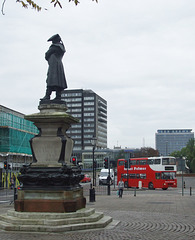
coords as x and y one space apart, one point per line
74 160
5 165
105 162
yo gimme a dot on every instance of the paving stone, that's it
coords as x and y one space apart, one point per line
147 216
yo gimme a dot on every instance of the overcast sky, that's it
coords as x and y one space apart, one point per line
139 55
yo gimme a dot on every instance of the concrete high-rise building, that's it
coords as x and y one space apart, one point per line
91 110
170 140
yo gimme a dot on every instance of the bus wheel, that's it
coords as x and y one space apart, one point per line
151 186
164 188
126 185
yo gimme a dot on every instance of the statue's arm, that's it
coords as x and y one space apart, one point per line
52 50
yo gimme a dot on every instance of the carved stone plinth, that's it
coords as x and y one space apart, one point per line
51 147
51 183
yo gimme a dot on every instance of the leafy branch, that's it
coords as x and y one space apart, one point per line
33 5
27 3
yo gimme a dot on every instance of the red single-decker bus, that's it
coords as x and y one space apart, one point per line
150 172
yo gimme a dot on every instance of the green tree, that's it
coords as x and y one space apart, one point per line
143 152
189 153
120 155
146 152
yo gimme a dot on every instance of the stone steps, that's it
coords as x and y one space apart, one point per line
84 212
83 219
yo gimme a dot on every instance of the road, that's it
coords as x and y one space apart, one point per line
8 195
151 215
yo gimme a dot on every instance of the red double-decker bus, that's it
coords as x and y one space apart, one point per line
150 172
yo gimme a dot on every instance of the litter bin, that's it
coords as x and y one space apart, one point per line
92 195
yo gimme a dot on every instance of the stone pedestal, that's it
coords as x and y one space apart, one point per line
51 182
60 201
52 146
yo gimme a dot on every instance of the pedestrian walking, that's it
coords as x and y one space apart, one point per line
120 188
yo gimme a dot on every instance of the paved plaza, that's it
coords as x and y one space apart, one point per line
147 216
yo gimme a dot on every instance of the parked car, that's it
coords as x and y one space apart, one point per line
86 179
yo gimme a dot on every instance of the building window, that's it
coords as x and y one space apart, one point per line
88 108
88 98
88 103
88 124
73 104
88 136
88 130
88 119
88 114
76 115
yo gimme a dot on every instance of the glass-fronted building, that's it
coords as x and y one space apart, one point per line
170 140
15 133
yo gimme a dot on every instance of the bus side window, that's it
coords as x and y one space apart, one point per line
156 161
150 161
133 162
143 175
142 162
165 161
121 163
132 175
157 175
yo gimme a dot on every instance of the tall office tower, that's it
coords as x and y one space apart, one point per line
170 140
91 110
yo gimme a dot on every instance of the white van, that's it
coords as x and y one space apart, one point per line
103 176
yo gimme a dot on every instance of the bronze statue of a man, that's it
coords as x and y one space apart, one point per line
56 80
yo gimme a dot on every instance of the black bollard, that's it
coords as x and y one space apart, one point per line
92 195
108 189
134 192
15 194
190 191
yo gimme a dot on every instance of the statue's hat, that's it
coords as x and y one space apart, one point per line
54 38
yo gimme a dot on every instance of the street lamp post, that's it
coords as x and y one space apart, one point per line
93 142
183 168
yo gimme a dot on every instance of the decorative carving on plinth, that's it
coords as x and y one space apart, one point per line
66 177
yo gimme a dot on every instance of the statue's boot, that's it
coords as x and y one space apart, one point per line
47 95
58 95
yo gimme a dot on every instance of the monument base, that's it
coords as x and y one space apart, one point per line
59 201
83 219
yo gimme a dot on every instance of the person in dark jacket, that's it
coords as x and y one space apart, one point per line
120 188
56 80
